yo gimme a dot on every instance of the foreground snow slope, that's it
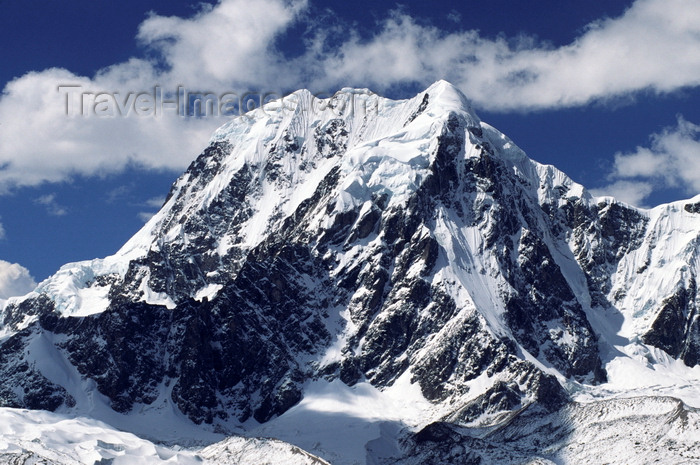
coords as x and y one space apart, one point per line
28 437
641 430
636 431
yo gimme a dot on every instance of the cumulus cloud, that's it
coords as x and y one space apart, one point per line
672 160
15 280
674 157
230 44
233 46
613 57
40 143
631 192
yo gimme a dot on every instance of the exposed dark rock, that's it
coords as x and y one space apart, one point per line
24 386
692 207
676 329
421 108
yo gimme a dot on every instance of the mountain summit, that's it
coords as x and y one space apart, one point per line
396 271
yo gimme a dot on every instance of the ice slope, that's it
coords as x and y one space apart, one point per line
351 425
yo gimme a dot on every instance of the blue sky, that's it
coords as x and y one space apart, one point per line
609 92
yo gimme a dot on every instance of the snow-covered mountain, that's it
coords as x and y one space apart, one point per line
376 281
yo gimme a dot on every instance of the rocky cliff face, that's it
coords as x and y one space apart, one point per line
364 240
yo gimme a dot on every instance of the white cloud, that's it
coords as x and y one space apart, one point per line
631 192
672 160
2 232
40 143
119 193
454 16
654 45
15 280
145 216
227 47
52 206
230 44
155 202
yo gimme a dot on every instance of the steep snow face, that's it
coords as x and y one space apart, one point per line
283 150
362 249
665 261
